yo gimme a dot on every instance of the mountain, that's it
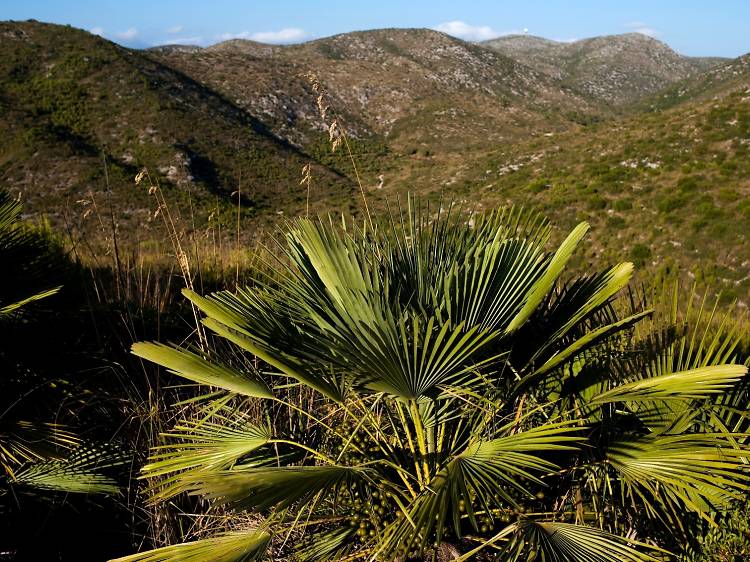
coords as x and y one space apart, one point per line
718 82
669 188
615 69
655 157
416 88
81 116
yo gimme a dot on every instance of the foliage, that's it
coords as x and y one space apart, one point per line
432 386
82 115
28 260
42 454
727 542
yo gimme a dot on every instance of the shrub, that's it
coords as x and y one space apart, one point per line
640 253
671 203
622 205
430 389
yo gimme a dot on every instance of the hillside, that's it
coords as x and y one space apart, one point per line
419 89
718 82
666 185
81 116
668 189
614 69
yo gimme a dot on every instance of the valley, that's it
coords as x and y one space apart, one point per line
648 145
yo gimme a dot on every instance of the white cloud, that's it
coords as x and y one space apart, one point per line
463 30
175 29
286 35
127 34
97 30
642 27
197 40
228 36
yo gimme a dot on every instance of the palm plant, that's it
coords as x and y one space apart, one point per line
430 388
40 454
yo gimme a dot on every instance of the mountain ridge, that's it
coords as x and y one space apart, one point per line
425 113
619 69
84 115
390 82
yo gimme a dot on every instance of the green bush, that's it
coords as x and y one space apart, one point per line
727 542
622 205
429 382
671 203
596 202
640 253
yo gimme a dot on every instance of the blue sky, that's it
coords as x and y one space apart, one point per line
692 27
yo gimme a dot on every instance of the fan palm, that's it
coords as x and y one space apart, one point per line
34 453
434 388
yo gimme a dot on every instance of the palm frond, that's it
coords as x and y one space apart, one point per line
237 546
265 487
552 541
80 472
697 471
589 340
27 259
694 384
201 370
569 309
545 284
202 445
25 441
325 546
9 308
487 471
516 458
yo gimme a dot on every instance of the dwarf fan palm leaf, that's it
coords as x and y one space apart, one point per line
26 257
34 453
240 546
81 471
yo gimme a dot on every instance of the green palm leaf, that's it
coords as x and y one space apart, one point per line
262 488
202 445
323 546
515 458
237 546
551 541
80 472
198 369
25 441
487 470
27 258
544 285
698 471
695 384
589 340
